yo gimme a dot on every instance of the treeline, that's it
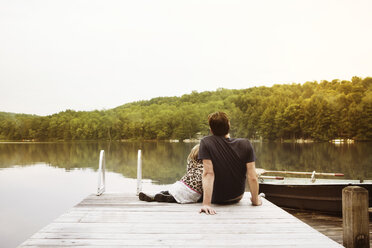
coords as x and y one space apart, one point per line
318 111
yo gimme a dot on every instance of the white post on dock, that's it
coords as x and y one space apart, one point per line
355 217
101 174
139 172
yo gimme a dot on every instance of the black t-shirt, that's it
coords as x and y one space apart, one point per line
229 157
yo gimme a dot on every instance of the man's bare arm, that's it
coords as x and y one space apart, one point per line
208 180
253 183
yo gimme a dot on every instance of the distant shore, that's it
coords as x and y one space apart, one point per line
290 141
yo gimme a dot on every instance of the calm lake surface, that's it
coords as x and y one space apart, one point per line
40 181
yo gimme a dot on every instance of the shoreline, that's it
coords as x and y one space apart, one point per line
180 141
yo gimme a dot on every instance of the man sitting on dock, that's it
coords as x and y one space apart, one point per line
227 163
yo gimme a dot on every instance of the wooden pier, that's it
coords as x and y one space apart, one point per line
121 220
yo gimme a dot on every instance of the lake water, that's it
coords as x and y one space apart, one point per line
40 181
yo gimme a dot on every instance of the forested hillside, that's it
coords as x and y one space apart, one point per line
319 111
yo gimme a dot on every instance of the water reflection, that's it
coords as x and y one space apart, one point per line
166 162
354 160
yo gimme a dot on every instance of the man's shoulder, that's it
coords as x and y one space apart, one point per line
241 143
207 138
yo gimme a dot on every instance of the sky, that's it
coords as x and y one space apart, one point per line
87 54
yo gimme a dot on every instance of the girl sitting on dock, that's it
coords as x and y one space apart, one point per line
188 189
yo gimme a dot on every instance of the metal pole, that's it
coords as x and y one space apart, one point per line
101 174
139 172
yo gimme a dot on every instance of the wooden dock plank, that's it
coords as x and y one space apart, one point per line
117 220
173 242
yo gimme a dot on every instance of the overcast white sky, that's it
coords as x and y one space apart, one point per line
85 55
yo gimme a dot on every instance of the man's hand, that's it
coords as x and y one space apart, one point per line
258 201
207 209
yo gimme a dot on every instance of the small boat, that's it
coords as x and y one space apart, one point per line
323 195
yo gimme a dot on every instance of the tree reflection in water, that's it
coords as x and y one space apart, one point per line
165 162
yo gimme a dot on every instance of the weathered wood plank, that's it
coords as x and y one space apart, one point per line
176 228
181 220
193 246
170 236
173 242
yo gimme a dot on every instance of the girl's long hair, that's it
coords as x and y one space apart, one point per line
193 156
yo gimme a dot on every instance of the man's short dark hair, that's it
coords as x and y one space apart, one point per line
219 123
